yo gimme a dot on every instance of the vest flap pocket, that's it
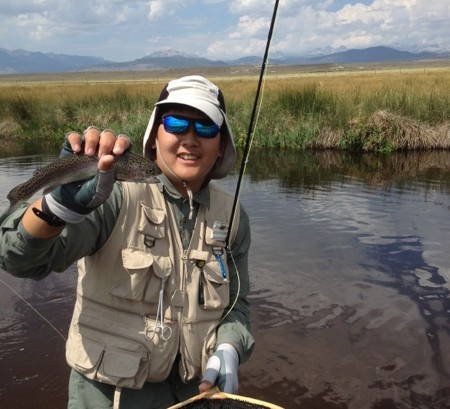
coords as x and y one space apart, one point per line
162 266
199 255
120 363
151 221
131 282
118 360
136 259
85 355
213 272
215 288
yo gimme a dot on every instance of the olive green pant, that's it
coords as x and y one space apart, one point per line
87 394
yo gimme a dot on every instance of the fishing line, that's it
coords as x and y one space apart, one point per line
253 118
35 310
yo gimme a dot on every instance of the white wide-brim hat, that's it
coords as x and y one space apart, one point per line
197 92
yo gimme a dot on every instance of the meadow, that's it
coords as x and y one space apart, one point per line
380 109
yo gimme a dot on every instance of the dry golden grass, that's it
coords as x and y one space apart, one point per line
406 133
392 107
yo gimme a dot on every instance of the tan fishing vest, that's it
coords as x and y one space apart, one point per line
141 267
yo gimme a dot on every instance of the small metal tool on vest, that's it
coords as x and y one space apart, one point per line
201 285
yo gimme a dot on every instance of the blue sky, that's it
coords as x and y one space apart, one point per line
123 30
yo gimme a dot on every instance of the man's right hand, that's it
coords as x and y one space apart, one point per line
96 142
73 201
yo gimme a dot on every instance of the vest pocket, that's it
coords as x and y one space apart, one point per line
216 295
152 222
140 278
122 365
114 360
85 357
200 340
132 282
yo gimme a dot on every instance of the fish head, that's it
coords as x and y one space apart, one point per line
136 168
147 175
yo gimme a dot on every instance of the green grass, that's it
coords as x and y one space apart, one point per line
297 112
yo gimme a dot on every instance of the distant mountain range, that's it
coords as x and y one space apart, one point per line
21 61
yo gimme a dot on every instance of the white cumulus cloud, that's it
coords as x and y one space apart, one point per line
220 29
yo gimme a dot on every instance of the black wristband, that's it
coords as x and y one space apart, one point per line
47 215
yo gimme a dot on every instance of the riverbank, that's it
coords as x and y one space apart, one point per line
380 108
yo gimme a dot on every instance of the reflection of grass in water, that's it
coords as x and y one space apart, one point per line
380 111
304 170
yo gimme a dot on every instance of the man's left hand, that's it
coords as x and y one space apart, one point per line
222 369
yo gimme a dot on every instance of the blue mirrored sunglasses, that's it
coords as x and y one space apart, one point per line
178 125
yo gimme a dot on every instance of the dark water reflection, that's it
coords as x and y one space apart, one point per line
350 287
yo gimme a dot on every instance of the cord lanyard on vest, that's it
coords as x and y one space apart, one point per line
165 332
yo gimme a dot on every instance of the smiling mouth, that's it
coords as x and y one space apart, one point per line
187 156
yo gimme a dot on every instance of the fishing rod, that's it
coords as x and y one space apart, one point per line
250 132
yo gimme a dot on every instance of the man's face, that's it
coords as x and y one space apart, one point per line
187 156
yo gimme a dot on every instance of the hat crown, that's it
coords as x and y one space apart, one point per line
197 92
194 86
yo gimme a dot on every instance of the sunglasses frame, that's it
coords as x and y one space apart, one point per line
209 128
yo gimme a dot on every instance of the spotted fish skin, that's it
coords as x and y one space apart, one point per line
128 167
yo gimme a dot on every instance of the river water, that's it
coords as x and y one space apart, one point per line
350 271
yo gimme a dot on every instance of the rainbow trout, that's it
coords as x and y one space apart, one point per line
128 167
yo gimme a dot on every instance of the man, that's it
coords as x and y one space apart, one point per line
161 310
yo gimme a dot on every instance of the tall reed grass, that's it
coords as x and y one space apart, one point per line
320 111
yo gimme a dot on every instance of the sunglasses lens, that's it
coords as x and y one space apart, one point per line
209 130
179 125
175 125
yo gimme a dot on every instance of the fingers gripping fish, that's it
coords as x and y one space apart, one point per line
128 167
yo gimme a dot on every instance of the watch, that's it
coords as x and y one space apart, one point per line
47 215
